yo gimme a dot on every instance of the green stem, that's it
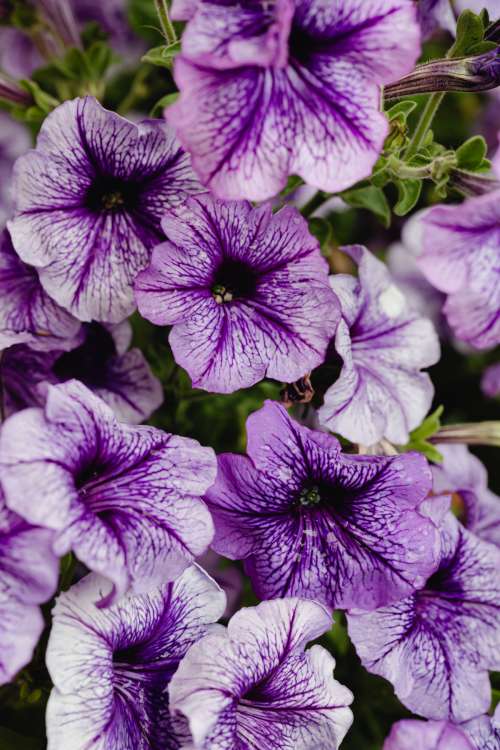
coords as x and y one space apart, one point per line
431 107
167 26
315 202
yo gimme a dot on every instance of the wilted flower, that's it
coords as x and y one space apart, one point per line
28 577
411 734
314 522
89 200
280 88
460 251
437 645
246 292
27 313
125 499
253 685
383 343
102 362
111 668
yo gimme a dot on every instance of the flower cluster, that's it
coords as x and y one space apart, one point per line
164 278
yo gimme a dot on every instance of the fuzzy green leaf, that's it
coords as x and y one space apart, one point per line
408 193
471 154
373 199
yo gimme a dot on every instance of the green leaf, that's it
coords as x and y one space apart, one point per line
428 450
165 101
44 101
408 194
470 32
373 199
429 426
471 153
294 181
321 229
403 109
99 57
162 56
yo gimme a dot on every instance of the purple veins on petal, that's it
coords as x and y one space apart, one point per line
28 577
89 200
460 255
314 522
484 731
27 313
463 476
102 362
383 344
437 645
111 668
273 89
246 292
412 734
125 499
254 685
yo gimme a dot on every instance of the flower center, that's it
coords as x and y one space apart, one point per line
233 280
111 194
310 496
88 361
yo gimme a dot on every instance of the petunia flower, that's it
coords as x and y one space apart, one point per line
437 645
270 89
411 734
490 381
125 499
102 362
484 731
111 668
465 477
14 141
28 577
27 313
383 344
246 292
253 685
89 199
314 522
460 255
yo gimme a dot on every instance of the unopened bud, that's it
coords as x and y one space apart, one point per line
475 433
472 183
478 73
12 92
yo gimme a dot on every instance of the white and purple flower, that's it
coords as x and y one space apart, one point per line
27 313
314 522
103 362
383 344
246 292
89 199
484 731
253 685
460 255
125 499
412 734
111 668
437 645
28 577
288 87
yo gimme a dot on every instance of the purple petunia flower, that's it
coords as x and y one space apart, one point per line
270 89
434 15
484 732
89 200
253 685
490 381
464 476
125 499
383 345
437 645
111 668
246 291
14 141
411 734
460 255
122 378
28 577
311 521
27 313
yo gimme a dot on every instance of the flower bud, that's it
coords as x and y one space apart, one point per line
478 73
472 183
10 91
475 433
60 16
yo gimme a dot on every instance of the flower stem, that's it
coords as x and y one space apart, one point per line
431 107
167 26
